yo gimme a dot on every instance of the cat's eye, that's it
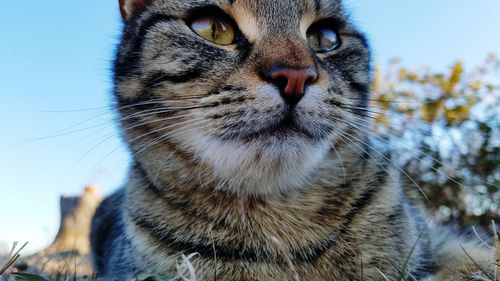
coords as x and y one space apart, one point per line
322 39
216 30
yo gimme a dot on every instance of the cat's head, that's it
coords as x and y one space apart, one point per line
251 94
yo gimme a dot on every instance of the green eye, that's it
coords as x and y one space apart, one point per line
322 39
215 30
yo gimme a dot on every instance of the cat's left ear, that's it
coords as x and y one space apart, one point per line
128 8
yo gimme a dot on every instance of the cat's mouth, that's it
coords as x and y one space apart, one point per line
288 126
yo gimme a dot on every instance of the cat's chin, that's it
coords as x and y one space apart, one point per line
260 166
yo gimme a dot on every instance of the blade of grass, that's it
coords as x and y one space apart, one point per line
13 256
215 260
401 272
477 264
382 274
407 261
362 270
497 250
28 277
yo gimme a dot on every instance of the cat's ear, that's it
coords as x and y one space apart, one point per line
128 8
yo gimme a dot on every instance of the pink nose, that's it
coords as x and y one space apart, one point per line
292 81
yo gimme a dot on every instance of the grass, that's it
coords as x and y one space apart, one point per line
496 240
8 271
11 259
187 272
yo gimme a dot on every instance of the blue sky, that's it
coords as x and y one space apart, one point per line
55 59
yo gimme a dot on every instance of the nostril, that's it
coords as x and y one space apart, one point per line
281 82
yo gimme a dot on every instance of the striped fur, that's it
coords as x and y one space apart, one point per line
223 167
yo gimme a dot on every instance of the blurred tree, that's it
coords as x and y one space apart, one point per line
444 128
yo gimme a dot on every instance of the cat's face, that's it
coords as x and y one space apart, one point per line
255 92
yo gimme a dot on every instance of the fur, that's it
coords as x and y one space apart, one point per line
224 167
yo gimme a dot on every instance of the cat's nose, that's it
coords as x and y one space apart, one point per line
292 82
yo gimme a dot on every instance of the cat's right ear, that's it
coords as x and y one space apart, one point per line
128 8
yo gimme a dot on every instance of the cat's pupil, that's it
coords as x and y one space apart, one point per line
215 30
219 30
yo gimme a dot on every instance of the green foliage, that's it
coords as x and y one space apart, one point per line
28 277
444 128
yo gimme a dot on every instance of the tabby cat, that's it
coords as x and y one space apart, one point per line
247 121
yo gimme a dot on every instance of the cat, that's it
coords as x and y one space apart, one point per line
247 125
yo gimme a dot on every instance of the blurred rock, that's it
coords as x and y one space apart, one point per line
69 253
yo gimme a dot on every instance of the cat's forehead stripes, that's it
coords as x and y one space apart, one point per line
259 17
282 17
246 21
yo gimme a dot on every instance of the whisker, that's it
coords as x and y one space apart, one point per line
167 135
77 110
356 109
387 159
152 111
110 135
434 169
134 153
148 122
157 174
62 132
386 101
392 101
345 137
341 163
69 131
421 152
